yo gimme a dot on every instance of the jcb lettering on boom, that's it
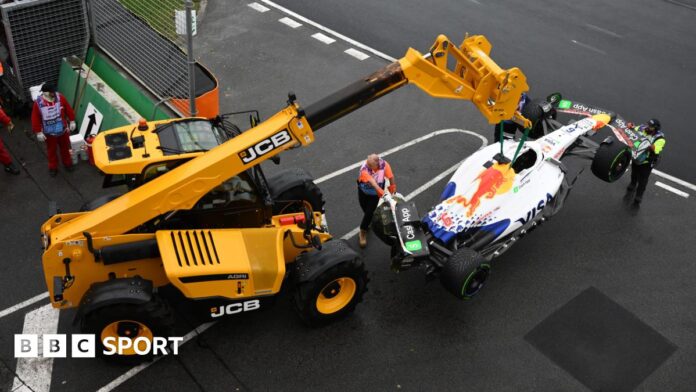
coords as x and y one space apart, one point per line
265 146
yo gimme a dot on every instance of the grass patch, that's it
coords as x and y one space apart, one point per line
159 14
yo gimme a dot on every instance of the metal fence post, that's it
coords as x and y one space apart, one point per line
189 56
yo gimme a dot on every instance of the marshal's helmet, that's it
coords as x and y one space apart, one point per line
654 125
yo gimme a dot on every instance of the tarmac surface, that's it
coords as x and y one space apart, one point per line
599 298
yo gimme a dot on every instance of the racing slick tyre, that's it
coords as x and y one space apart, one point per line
465 273
139 322
290 200
332 295
611 160
534 113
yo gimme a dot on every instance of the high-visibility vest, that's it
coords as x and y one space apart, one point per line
377 175
51 116
648 154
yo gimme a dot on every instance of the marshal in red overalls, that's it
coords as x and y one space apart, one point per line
49 120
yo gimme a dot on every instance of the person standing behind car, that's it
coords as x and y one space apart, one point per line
49 120
371 181
643 164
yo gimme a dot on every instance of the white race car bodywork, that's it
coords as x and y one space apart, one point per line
485 194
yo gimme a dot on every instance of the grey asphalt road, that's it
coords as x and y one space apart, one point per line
632 57
408 334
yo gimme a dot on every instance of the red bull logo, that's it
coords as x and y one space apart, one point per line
493 181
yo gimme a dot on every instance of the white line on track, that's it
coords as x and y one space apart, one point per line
401 147
357 54
602 30
675 180
137 369
258 7
672 189
323 38
23 304
328 30
35 373
589 47
290 22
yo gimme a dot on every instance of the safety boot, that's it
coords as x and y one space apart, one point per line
362 238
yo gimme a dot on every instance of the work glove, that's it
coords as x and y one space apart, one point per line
72 126
41 137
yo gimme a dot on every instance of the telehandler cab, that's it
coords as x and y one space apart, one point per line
201 218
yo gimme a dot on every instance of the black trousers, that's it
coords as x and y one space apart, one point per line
368 203
640 175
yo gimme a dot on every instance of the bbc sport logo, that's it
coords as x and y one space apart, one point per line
84 346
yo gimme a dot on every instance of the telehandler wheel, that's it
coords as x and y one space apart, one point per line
290 200
465 273
332 295
138 322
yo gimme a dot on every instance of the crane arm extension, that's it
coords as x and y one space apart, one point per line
474 77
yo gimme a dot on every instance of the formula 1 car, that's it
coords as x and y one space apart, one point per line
499 194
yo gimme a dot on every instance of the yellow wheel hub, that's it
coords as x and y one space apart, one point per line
128 329
336 295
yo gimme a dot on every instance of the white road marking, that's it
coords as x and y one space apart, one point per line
137 369
586 46
475 2
672 189
602 30
23 304
675 180
35 373
290 22
323 38
258 7
401 147
328 30
357 54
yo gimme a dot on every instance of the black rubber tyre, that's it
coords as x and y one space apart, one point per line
611 160
465 273
534 113
291 200
155 315
332 295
